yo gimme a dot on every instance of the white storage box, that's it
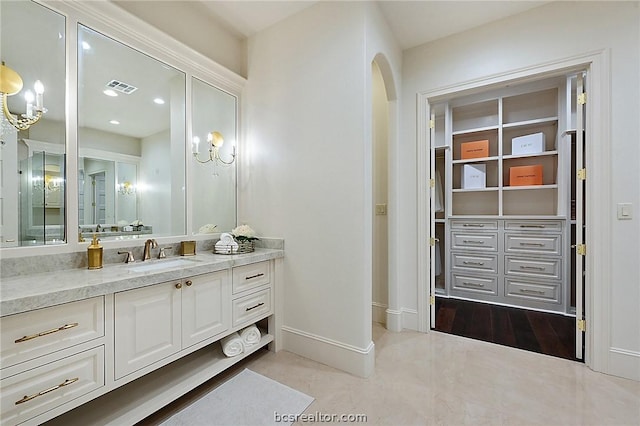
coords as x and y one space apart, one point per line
528 144
474 176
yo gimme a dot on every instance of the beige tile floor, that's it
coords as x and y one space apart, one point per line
439 379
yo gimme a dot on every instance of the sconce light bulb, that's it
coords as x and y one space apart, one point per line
28 96
38 87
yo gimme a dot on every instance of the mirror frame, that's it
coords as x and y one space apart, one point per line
109 19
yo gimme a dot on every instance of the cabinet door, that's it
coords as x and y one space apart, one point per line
147 326
205 307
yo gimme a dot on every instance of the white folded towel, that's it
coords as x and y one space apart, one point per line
227 244
250 335
232 345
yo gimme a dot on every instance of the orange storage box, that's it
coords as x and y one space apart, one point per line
525 175
475 149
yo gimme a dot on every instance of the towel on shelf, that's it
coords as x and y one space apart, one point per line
232 345
250 335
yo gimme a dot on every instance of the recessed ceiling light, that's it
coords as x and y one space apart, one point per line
159 101
110 92
114 122
85 45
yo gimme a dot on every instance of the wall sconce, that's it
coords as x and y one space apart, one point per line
215 140
10 84
48 183
126 188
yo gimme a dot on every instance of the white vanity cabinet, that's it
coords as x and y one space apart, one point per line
154 322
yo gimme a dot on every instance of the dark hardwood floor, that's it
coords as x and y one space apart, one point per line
542 332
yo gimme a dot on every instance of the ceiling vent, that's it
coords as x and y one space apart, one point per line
121 87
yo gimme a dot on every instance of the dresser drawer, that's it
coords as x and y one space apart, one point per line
32 334
478 262
533 243
474 224
522 289
475 284
542 268
250 276
474 241
252 307
36 391
533 225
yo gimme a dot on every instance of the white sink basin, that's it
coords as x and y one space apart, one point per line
162 264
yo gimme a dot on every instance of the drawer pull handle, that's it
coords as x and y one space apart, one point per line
525 290
532 244
253 276
468 262
468 284
188 283
473 242
44 333
178 286
474 225
253 307
532 226
67 382
535 268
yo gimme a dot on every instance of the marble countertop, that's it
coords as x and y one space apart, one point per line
34 291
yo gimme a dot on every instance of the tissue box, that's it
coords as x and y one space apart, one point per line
528 144
475 149
474 176
525 175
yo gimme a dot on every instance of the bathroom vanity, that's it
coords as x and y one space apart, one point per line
112 346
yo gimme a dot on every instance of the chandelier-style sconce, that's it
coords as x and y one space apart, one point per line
10 84
215 141
126 188
48 183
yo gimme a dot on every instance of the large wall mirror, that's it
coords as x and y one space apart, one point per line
131 141
32 161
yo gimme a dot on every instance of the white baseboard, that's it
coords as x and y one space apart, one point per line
354 360
409 319
394 320
624 363
378 312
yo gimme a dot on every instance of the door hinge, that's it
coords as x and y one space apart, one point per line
582 98
432 300
432 183
432 124
582 174
582 325
581 249
432 241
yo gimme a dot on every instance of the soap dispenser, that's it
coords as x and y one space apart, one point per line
94 253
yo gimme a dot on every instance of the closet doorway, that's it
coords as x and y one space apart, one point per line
507 218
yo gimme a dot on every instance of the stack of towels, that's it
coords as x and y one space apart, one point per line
236 343
226 244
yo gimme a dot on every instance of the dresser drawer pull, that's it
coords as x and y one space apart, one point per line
532 226
525 290
254 276
468 284
44 333
253 307
474 225
67 382
532 244
468 262
535 268
473 242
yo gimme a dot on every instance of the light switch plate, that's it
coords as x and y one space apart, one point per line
381 209
625 211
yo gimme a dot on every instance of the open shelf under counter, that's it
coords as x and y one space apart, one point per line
537 154
534 122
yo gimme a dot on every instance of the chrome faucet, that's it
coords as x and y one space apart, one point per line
148 245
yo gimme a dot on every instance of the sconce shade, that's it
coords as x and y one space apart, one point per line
10 81
216 139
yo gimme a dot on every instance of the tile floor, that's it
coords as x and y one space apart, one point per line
440 379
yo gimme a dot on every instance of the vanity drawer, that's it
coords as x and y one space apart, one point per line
533 243
522 289
474 224
250 308
533 225
543 268
28 335
250 276
463 261
36 391
474 241
475 284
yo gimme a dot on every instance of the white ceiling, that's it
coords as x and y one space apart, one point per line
412 22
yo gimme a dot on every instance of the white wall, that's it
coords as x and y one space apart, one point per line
552 32
306 174
156 184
